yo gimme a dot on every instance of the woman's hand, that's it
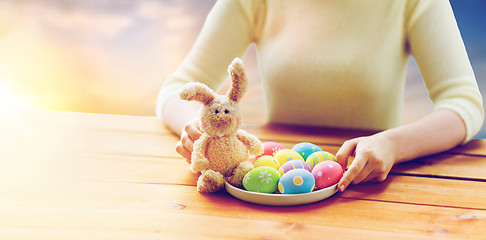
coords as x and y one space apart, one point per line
374 157
189 135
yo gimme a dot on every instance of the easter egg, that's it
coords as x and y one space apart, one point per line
306 149
261 179
327 173
293 164
296 181
286 155
318 157
270 148
268 161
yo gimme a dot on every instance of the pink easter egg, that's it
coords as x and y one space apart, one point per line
270 148
327 173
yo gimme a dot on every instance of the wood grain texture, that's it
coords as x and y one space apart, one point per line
109 205
168 225
91 176
446 165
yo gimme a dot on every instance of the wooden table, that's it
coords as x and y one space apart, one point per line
90 176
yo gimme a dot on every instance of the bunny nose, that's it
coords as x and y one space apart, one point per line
222 119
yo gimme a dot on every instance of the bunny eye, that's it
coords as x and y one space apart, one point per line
226 111
216 111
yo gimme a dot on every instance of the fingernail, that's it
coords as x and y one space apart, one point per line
341 188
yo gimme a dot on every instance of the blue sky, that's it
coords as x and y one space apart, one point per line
471 19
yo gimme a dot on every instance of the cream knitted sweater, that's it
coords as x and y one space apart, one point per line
338 63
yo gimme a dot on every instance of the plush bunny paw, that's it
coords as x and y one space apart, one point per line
210 181
239 173
256 148
199 165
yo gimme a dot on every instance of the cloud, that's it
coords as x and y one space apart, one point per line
80 21
8 18
171 16
97 56
107 19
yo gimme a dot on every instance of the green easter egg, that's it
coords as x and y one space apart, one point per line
262 179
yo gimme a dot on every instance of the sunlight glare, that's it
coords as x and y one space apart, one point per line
10 102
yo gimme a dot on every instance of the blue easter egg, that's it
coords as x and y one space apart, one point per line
305 149
296 181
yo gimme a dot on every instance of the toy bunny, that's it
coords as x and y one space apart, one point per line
223 149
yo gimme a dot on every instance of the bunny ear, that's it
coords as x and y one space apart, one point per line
239 80
198 92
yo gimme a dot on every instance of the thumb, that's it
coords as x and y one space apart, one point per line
347 150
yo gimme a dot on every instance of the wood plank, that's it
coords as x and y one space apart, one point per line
128 224
445 165
332 212
426 191
153 169
49 142
466 163
292 134
101 167
79 167
448 164
150 125
135 142
474 147
423 191
121 123
338 212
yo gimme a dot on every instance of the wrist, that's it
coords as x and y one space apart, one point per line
439 131
398 148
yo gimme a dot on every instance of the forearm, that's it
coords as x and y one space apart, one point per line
177 113
439 131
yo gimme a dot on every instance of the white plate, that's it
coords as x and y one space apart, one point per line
281 199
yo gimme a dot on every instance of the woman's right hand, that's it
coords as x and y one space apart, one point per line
189 135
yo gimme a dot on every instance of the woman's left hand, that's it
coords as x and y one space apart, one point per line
374 157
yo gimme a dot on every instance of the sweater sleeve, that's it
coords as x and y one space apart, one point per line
226 34
436 44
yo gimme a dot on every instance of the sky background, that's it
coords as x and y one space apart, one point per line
111 57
